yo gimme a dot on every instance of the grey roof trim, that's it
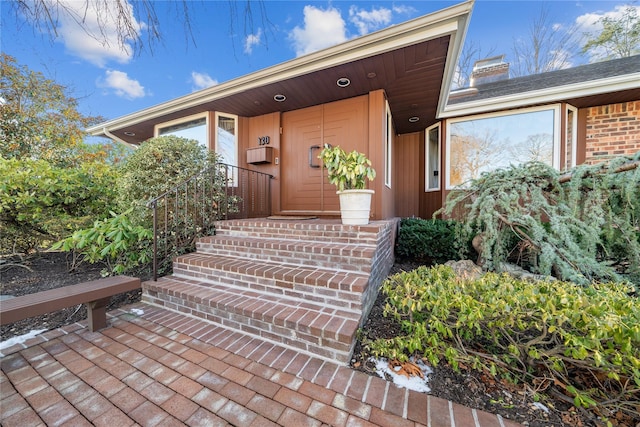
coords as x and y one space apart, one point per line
544 96
554 86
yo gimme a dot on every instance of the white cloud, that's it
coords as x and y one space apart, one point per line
322 28
588 24
251 40
122 85
201 81
404 10
89 30
368 21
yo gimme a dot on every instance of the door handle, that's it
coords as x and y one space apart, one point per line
311 164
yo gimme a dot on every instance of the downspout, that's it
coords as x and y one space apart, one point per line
115 138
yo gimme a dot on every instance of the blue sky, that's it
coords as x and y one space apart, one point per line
111 82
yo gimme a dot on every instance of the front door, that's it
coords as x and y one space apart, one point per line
305 187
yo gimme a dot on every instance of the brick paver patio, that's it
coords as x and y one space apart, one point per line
153 367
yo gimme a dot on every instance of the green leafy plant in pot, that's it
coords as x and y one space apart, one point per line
349 172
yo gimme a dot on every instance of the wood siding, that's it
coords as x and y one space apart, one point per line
304 188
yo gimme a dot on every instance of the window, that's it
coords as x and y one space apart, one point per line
432 158
193 127
487 142
388 148
227 138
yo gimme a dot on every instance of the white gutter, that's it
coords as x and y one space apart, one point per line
113 137
455 47
544 96
418 30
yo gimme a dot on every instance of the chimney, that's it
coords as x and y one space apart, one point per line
489 70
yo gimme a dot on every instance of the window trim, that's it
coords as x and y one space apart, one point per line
558 145
427 189
159 126
388 148
574 135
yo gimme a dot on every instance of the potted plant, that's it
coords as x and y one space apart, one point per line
349 172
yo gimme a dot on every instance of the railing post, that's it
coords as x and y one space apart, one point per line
155 241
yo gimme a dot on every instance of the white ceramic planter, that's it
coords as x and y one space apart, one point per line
355 206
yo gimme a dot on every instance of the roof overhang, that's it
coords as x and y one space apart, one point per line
403 60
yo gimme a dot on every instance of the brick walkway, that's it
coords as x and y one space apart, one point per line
160 368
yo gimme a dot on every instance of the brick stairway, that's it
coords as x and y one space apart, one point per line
307 285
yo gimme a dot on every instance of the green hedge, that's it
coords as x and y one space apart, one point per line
433 240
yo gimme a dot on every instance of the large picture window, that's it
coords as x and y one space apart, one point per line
194 127
487 142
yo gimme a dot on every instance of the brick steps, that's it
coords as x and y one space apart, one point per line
306 285
309 230
338 256
324 286
314 328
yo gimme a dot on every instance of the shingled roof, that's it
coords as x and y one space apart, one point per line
617 80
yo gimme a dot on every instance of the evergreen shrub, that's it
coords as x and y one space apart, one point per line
433 240
582 226
583 342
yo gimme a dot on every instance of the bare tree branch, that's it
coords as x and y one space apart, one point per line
547 47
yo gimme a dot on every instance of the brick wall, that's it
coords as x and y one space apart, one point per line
612 131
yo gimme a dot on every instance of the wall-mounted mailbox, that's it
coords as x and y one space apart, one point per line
259 155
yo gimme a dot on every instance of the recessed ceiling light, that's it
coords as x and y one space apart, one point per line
413 119
343 82
130 133
279 97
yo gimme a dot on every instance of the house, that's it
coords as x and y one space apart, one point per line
387 94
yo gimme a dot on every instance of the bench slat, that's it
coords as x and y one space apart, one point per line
31 305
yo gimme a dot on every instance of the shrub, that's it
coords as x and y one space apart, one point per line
41 203
577 229
580 341
116 241
157 166
434 240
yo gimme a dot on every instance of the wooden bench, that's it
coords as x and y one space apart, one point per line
94 294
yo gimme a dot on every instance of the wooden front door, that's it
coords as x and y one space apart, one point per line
304 185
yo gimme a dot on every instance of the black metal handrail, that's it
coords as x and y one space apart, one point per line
190 209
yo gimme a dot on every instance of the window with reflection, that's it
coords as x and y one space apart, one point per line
191 129
227 138
432 160
484 143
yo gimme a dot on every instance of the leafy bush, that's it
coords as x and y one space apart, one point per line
41 203
124 241
434 240
579 341
116 241
157 166
576 230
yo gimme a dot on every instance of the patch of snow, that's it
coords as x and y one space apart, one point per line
21 338
412 383
541 406
137 311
